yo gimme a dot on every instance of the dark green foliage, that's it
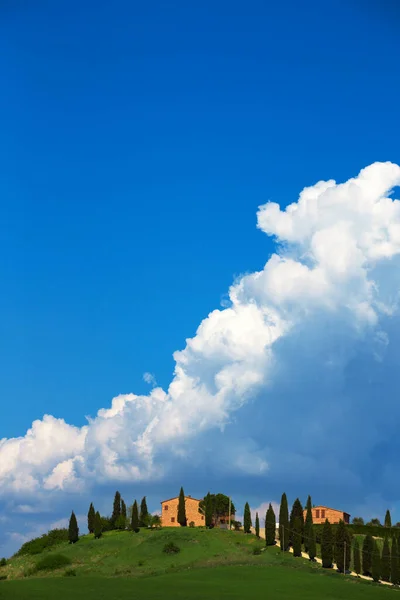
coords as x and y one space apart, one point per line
270 526
51 562
123 509
47 540
358 521
367 551
297 536
219 507
144 513
257 551
3 562
135 518
308 524
388 519
395 563
357 557
182 520
246 518
376 562
106 524
257 526
120 523
374 523
385 562
312 544
70 573
208 509
73 529
171 548
342 547
284 524
98 526
327 546
296 513
116 509
90 518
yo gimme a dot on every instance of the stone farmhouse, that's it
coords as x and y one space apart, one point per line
169 512
321 513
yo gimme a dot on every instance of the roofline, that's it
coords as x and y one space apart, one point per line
177 498
329 508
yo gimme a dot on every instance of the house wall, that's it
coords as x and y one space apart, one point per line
192 512
333 516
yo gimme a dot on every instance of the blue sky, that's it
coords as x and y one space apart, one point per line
138 141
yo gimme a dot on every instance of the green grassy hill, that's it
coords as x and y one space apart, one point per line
210 564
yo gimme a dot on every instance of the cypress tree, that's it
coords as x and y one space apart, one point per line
327 545
90 518
257 525
342 547
247 518
367 551
98 527
296 513
135 518
209 510
395 563
388 519
308 524
73 529
116 509
297 532
312 544
123 509
284 524
357 557
376 562
144 513
182 509
385 562
270 526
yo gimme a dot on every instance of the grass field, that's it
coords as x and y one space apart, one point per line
211 564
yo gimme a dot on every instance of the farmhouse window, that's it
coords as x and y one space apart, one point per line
202 518
166 507
317 513
322 514
172 519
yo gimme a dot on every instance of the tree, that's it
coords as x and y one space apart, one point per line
296 513
358 521
388 519
395 562
296 536
120 523
247 518
143 513
116 509
123 509
374 523
327 545
98 528
376 562
208 509
367 551
90 518
342 547
73 529
135 517
219 507
270 526
385 562
257 527
312 544
357 557
284 524
182 520
308 524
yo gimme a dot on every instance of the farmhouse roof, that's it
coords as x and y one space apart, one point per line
177 498
329 508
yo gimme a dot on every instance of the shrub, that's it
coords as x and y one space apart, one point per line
256 551
3 562
52 562
191 524
47 540
171 548
3 577
70 573
140 563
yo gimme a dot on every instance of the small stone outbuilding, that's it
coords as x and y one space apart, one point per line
169 512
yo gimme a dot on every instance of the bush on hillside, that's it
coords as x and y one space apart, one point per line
47 540
171 548
70 573
3 577
257 550
3 562
51 562
191 524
